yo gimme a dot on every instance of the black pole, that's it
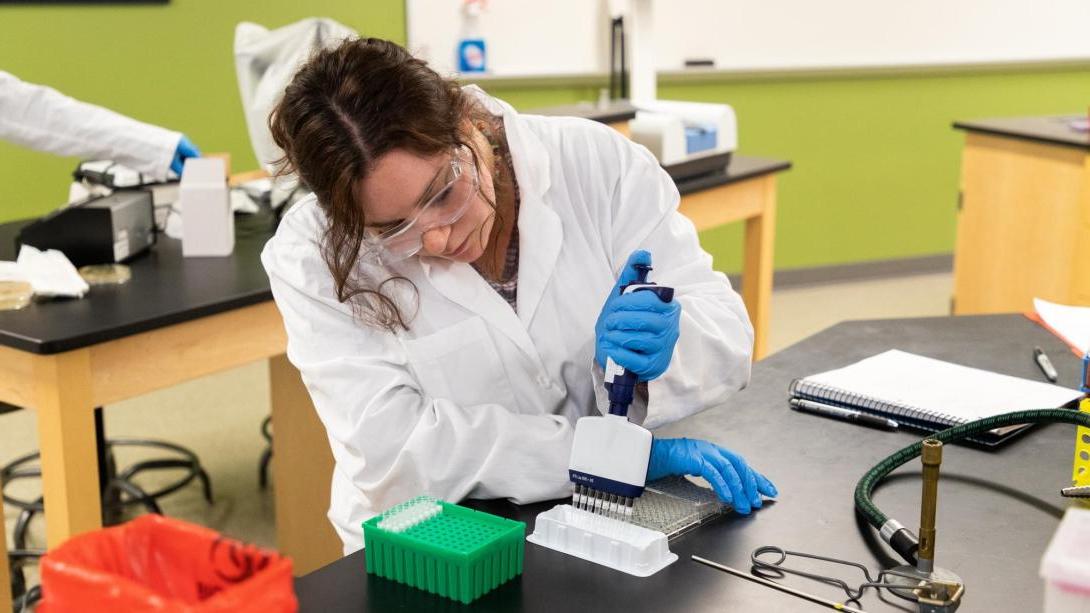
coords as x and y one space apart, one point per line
100 450
624 69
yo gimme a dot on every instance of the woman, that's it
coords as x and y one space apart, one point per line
443 290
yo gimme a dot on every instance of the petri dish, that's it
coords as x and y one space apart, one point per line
105 274
15 295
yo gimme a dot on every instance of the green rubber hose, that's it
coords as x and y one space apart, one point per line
904 542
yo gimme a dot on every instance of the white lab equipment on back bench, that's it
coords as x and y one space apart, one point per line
677 131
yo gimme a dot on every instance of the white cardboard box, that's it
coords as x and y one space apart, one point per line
208 225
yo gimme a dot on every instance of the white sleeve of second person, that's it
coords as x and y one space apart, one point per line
41 118
712 358
394 441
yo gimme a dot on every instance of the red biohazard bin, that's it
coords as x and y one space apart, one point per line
154 563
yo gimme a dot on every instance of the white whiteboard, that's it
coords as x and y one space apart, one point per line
526 37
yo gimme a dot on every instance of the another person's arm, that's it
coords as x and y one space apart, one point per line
41 118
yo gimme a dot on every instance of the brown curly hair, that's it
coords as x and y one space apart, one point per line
344 109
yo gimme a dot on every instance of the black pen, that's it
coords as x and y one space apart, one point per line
828 410
1045 364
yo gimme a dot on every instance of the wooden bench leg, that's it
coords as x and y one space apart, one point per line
757 266
66 433
302 467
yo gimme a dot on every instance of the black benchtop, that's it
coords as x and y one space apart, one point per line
741 167
1052 129
165 289
996 511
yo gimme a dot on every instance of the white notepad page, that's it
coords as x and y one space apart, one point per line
1071 323
934 386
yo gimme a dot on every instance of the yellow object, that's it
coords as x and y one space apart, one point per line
1081 474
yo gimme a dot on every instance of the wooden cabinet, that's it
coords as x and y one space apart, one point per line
1023 216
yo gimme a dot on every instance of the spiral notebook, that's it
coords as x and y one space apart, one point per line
931 395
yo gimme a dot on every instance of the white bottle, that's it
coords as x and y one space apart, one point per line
471 52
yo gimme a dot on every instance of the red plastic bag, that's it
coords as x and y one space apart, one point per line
154 563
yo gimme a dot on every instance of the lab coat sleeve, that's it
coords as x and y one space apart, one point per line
388 437
712 358
42 118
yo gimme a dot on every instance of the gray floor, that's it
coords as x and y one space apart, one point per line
219 416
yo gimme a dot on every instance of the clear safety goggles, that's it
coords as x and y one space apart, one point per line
446 207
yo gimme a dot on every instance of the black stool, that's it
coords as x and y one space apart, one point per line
118 489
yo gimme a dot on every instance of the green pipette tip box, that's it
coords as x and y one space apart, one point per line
444 548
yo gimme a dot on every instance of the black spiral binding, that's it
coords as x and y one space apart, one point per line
922 418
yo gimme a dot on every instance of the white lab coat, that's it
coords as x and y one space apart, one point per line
44 119
477 400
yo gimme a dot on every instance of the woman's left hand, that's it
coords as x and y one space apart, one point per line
732 479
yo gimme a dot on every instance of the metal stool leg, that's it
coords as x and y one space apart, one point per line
22 524
18 580
206 484
188 462
28 600
263 469
17 559
112 506
266 456
136 494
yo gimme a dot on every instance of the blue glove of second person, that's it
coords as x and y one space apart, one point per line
732 479
637 330
186 149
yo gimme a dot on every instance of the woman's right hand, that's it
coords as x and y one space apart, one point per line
637 330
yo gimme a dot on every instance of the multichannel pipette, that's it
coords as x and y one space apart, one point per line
610 454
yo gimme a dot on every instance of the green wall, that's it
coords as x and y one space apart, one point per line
876 161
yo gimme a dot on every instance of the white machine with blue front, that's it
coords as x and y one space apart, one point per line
676 131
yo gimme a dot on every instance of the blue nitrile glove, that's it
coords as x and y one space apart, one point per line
732 479
186 149
637 330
